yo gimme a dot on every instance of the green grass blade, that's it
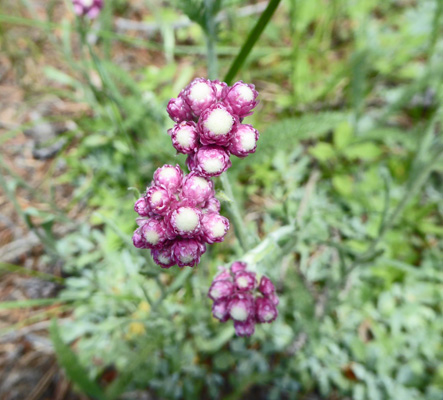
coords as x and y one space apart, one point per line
69 361
251 40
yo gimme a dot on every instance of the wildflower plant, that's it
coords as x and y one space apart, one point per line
179 214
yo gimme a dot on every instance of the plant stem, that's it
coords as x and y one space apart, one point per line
240 229
251 40
211 37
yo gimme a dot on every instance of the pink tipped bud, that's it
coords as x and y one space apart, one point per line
163 256
241 306
184 221
217 125
212 205
214 227
197 189
179 110
154 233
211 161
265 310
238 266
224 274
158 199
138 239
245 281
169 177
266 286
244 328
220 310
244 140
187 252
185 138
199 94
87 8
220 89
241 99
141 207
221 289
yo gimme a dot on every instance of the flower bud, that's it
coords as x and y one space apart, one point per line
158 199
211 161
187 252
266 286
154 233
212 205
220 89
169 177
238 266
179 110
141 207
197 189
184 221
241 99
265 310
185 138
224 274
244 140
87 8
163 256
217 125
138 239
214 227
241 306
221 289
244 328
220 310
199 94
245 281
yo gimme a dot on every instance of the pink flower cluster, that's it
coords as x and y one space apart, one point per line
178 215
208 116
88 8
237 296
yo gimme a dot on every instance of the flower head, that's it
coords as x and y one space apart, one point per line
177 216
244 140
87 8
237 297
185 137
241 99
217 125
179 110
199 95
211 161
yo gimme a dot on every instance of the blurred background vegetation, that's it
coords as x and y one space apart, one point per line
351 148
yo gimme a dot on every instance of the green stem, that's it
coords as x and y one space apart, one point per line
211 38
251 40
240 229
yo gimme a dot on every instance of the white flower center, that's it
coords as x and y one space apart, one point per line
247 140
268 316
218 314
186 219
215 293
163 259
200 91
218 229
242 282
202 183
152 237
246 93
167 173
156 197
239 313
219 122
185 259
184 137
212 165
87 3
